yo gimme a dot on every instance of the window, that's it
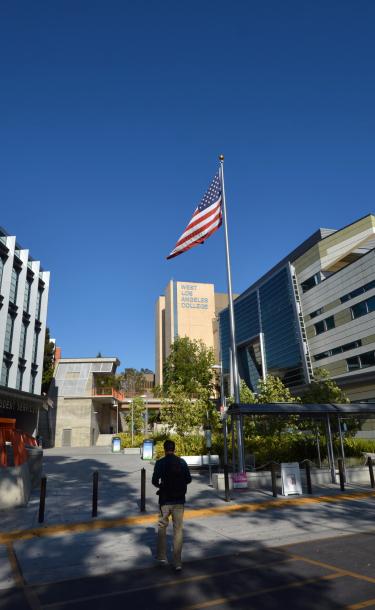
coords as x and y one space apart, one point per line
311 282
23 340
13 286
9 333
20 372
1 269
358 291
5 372
361 361
362 308
338 350
316 313
26 299
32 382
324 325
38 304
35 346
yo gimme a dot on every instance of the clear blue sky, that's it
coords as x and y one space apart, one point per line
112 114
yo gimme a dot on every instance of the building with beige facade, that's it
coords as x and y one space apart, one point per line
186 309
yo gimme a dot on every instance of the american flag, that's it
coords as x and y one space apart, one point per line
206 219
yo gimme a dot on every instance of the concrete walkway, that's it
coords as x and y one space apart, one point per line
71 544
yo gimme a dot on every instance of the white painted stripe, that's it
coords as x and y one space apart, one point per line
197 237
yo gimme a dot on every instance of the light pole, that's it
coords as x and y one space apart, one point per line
144 396
115 404
131 402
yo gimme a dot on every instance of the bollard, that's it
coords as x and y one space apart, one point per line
226 483
143 490
341 474
308 477
273 478
9 453
42 500
371 471
95 484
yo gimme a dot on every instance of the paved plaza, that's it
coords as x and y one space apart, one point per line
110 558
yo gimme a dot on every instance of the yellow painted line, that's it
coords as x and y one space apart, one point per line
19 580
329 566
162 585
233 598
198 513
14 566
366 604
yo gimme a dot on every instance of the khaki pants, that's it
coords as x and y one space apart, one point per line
177 512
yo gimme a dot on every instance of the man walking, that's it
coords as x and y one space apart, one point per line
171 476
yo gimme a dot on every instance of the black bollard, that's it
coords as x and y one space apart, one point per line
308 477
226 483
143 490
42 500
95 484
341 474
371 471
273 478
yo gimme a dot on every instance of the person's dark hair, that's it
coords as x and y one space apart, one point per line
169 445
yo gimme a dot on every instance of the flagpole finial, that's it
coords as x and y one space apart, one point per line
221 157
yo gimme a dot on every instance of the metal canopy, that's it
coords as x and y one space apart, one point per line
309 410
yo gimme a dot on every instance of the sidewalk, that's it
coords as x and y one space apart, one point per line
124 538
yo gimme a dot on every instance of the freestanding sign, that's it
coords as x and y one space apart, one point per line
116 444
291 479
148 449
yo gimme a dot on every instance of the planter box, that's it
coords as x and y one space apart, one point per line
15 486
200 461
132 451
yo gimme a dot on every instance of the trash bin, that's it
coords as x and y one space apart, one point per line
147 451
116 444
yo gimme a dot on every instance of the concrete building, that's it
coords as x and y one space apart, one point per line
186 309
24 287
315 308
86 413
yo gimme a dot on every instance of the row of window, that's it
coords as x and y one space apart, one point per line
357 291
362 308
22 347
14 290
4 380
359 309
338 350
361 361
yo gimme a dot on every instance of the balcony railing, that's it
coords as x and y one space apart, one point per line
107 391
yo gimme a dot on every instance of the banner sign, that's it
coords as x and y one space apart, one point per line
291 479
239 480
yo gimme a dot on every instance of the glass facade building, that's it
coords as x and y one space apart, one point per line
267 332
315 308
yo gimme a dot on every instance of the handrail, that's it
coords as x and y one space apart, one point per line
108 391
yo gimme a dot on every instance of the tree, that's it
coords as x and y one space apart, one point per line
272 389
323 389
48 362
132 381
189 367
136 414
185 416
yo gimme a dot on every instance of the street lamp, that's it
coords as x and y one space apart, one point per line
144 396
115 404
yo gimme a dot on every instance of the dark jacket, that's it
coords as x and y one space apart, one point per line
171 476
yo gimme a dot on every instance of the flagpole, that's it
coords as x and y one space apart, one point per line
236 385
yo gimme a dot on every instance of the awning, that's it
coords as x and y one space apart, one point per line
307 410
